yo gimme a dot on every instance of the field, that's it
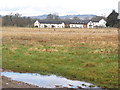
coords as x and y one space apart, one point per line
90 55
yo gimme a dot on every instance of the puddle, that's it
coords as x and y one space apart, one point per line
45 81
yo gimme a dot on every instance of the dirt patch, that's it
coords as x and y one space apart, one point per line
43 50
13 48
57 45
8 83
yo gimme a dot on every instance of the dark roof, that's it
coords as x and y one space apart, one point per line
97 18
66 21
80 22
85 21
50 22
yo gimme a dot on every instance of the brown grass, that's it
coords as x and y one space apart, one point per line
43 50
34 36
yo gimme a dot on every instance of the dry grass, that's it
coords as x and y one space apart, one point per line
30 36
43 50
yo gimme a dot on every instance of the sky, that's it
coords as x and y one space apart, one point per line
60 7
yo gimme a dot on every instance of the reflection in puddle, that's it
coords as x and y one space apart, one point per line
46 81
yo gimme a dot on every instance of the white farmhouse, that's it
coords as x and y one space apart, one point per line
37 24
101 23
49 24
90 24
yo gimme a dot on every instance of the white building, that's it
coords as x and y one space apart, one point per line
49 24
76 25
90 24
37 24
101 23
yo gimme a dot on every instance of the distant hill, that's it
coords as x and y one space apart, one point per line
82 17
39 17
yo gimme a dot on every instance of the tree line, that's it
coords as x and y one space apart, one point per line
19 21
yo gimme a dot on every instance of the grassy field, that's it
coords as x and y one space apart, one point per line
81 54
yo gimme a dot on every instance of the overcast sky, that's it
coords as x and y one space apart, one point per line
62 7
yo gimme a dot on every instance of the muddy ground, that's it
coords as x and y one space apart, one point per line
6 82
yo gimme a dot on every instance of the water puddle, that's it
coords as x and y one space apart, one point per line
47 81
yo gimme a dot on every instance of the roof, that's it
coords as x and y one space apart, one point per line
97 18
50 22
64 21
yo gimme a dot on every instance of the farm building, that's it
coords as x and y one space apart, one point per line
76 25
95 24
60 24
49 24
79 24
37 24
70 24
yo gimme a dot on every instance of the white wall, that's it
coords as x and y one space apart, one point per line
76 25
90 24
37 24
50 25
102 23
